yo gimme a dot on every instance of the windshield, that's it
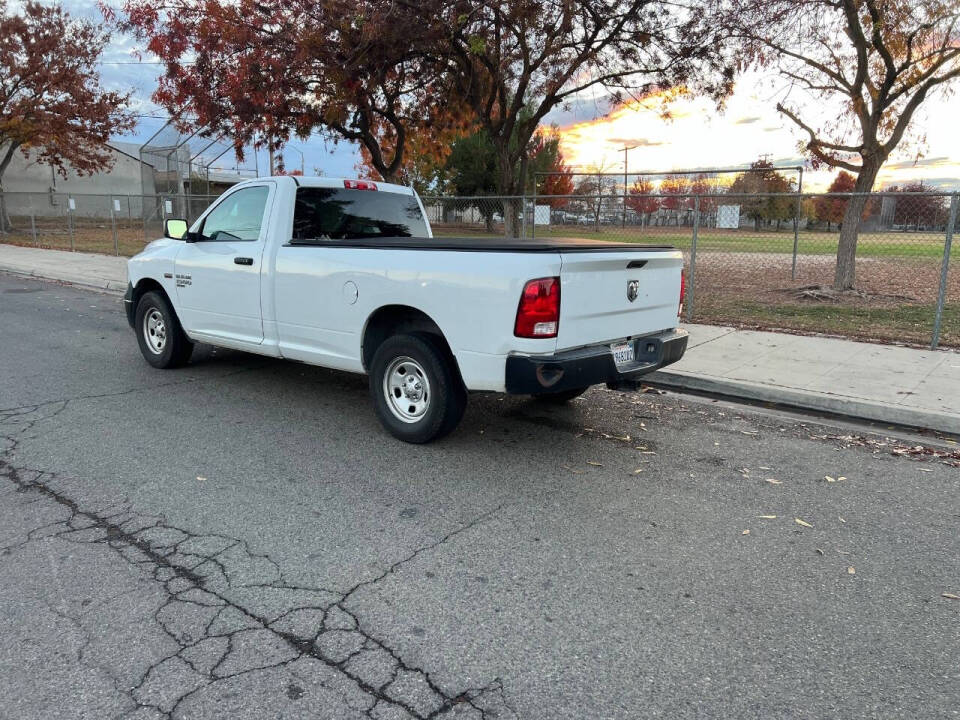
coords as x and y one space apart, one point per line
342 214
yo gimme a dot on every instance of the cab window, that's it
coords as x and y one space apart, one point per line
238 217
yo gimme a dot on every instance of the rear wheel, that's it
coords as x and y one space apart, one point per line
416 390
162 341
558 398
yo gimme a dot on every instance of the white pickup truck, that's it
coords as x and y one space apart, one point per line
346 274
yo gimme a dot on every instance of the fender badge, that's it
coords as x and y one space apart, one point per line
633 289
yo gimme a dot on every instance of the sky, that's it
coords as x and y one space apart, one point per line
593 133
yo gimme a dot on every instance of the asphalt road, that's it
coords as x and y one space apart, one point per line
239 539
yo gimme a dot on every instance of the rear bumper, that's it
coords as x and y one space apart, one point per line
128 304
592 365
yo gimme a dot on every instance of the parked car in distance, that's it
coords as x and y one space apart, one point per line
346 274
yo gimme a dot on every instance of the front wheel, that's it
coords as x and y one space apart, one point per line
162 341
416 390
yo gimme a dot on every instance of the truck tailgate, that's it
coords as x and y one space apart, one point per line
595 304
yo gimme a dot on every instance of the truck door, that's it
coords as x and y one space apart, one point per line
218 276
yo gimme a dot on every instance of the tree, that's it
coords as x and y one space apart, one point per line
832 209
675 190
597 187
423 162
261 71
513 61
641 199
472 169
917 207
51 101
557 184
875 60
766 186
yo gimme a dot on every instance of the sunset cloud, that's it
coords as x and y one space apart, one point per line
690 133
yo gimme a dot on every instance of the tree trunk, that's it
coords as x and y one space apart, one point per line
846 271
8 152
5 225
510 225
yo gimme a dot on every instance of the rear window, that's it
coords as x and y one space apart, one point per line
342 214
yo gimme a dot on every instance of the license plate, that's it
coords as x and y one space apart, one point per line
622 353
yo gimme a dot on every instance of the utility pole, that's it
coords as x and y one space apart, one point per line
303 166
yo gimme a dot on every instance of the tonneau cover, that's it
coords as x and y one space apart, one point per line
473 244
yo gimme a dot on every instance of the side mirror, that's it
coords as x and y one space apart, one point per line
174 229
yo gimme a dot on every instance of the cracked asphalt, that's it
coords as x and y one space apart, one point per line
239 539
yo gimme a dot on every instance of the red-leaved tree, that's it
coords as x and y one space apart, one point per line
51 101
262 71
640 199
831 209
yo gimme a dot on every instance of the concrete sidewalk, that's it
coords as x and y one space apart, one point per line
883 383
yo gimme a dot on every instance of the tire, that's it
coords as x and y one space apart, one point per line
416 389
559 398
162 341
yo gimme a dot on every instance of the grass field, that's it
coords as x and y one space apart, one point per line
744 240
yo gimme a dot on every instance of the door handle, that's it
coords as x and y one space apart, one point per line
243 261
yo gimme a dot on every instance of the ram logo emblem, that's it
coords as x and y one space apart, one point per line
633 289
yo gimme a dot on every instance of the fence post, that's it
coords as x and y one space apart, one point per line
693 258
113 226
944 267
796 239
533 229
70 221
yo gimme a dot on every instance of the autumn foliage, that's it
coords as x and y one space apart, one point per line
51 101
264 71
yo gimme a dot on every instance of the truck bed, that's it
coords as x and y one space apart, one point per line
473 244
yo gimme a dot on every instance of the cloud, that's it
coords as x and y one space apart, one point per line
634 142
921 162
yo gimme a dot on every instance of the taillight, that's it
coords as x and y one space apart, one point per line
683 291
538 315
359 185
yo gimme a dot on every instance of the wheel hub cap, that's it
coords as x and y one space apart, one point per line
407 389
154 331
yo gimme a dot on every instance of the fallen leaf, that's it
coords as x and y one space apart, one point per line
765 468
840 518
851 570
201 478
595 464
638 471
820 551
773 481
924 469
745 532
828 478
841 478
768 517
647 452
950 596
798 521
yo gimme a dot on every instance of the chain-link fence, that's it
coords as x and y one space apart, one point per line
115 224
760 260
764 260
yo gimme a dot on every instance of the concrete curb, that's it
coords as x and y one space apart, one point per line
807 400
111 287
